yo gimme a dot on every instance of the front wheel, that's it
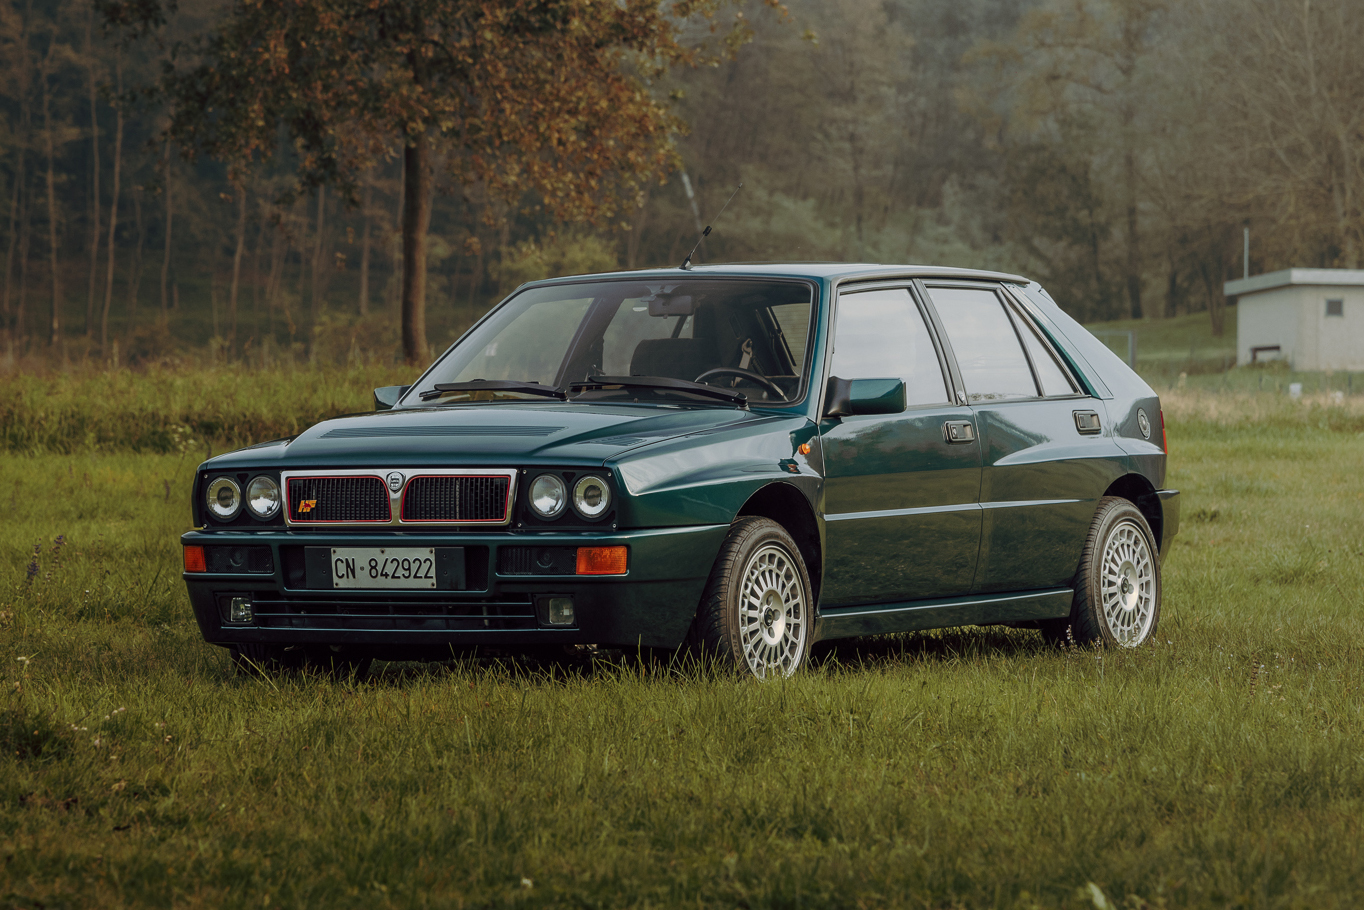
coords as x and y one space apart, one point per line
1117 588
757 613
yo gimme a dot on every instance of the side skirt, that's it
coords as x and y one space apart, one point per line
912 616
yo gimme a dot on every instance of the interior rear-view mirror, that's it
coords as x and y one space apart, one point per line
851 397
680 305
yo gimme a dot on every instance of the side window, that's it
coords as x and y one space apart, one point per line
993 367
1049 373
881 334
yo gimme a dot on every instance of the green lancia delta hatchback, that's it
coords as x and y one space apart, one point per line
741 459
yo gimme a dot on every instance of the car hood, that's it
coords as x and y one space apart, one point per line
486 433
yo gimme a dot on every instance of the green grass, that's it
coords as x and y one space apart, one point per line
179 409
1168 347
1220 766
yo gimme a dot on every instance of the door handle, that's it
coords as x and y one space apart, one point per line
958 432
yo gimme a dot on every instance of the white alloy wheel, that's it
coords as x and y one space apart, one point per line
757 613
1128 584
1117 586
773 620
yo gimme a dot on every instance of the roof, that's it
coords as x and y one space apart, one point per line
1273 280
837 271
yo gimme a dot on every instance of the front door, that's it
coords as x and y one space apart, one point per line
901 493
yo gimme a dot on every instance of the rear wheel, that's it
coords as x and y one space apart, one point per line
1117 588
756 614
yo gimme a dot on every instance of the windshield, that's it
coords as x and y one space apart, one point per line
745 336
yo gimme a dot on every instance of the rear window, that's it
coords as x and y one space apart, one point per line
993 366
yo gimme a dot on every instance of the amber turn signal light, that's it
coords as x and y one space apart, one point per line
194 559
602 560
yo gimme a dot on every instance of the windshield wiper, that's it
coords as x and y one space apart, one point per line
595 383
494 385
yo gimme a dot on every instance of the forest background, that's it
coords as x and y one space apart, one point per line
1112 149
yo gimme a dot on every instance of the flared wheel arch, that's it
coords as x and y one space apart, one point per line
788 507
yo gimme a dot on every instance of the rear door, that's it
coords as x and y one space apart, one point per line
900 500
1047 458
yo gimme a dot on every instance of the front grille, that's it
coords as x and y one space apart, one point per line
388 616
328 499
456 499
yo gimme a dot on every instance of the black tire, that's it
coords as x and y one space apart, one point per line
1120 530
775 641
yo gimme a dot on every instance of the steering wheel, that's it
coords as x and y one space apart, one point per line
755 378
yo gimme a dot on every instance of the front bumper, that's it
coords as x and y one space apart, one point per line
652 605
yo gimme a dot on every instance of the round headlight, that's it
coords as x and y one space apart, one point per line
224 498
262 496
591 497
548 496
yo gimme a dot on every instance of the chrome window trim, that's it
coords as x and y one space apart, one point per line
395 500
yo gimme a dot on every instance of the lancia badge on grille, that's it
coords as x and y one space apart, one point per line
395 481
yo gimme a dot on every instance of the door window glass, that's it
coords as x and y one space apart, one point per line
1049 372
881 334
992 364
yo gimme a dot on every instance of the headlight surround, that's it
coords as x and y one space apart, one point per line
223 498
548 496
263 496
591 497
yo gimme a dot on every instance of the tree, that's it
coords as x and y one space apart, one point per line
1291 107
542 98
1078 82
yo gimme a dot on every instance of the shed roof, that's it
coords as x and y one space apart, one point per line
1272 280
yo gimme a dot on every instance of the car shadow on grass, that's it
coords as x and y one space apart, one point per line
550 667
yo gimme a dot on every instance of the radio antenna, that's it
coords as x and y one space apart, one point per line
686 263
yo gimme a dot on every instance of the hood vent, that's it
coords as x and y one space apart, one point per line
375 432
619 440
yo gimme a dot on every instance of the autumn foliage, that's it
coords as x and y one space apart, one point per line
547 101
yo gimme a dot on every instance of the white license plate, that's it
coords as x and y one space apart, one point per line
383 567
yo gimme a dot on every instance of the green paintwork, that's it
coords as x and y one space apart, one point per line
900 507
859 397
913 531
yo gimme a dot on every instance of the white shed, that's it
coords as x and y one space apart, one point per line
1313 318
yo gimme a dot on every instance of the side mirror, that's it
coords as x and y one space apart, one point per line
386 397
850 397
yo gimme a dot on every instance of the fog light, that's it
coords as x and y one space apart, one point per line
602 560
559 611
240 610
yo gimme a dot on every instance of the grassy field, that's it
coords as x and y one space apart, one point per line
1221 766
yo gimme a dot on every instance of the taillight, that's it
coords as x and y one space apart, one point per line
1164 440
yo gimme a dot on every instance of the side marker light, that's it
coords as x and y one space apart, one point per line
602 560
